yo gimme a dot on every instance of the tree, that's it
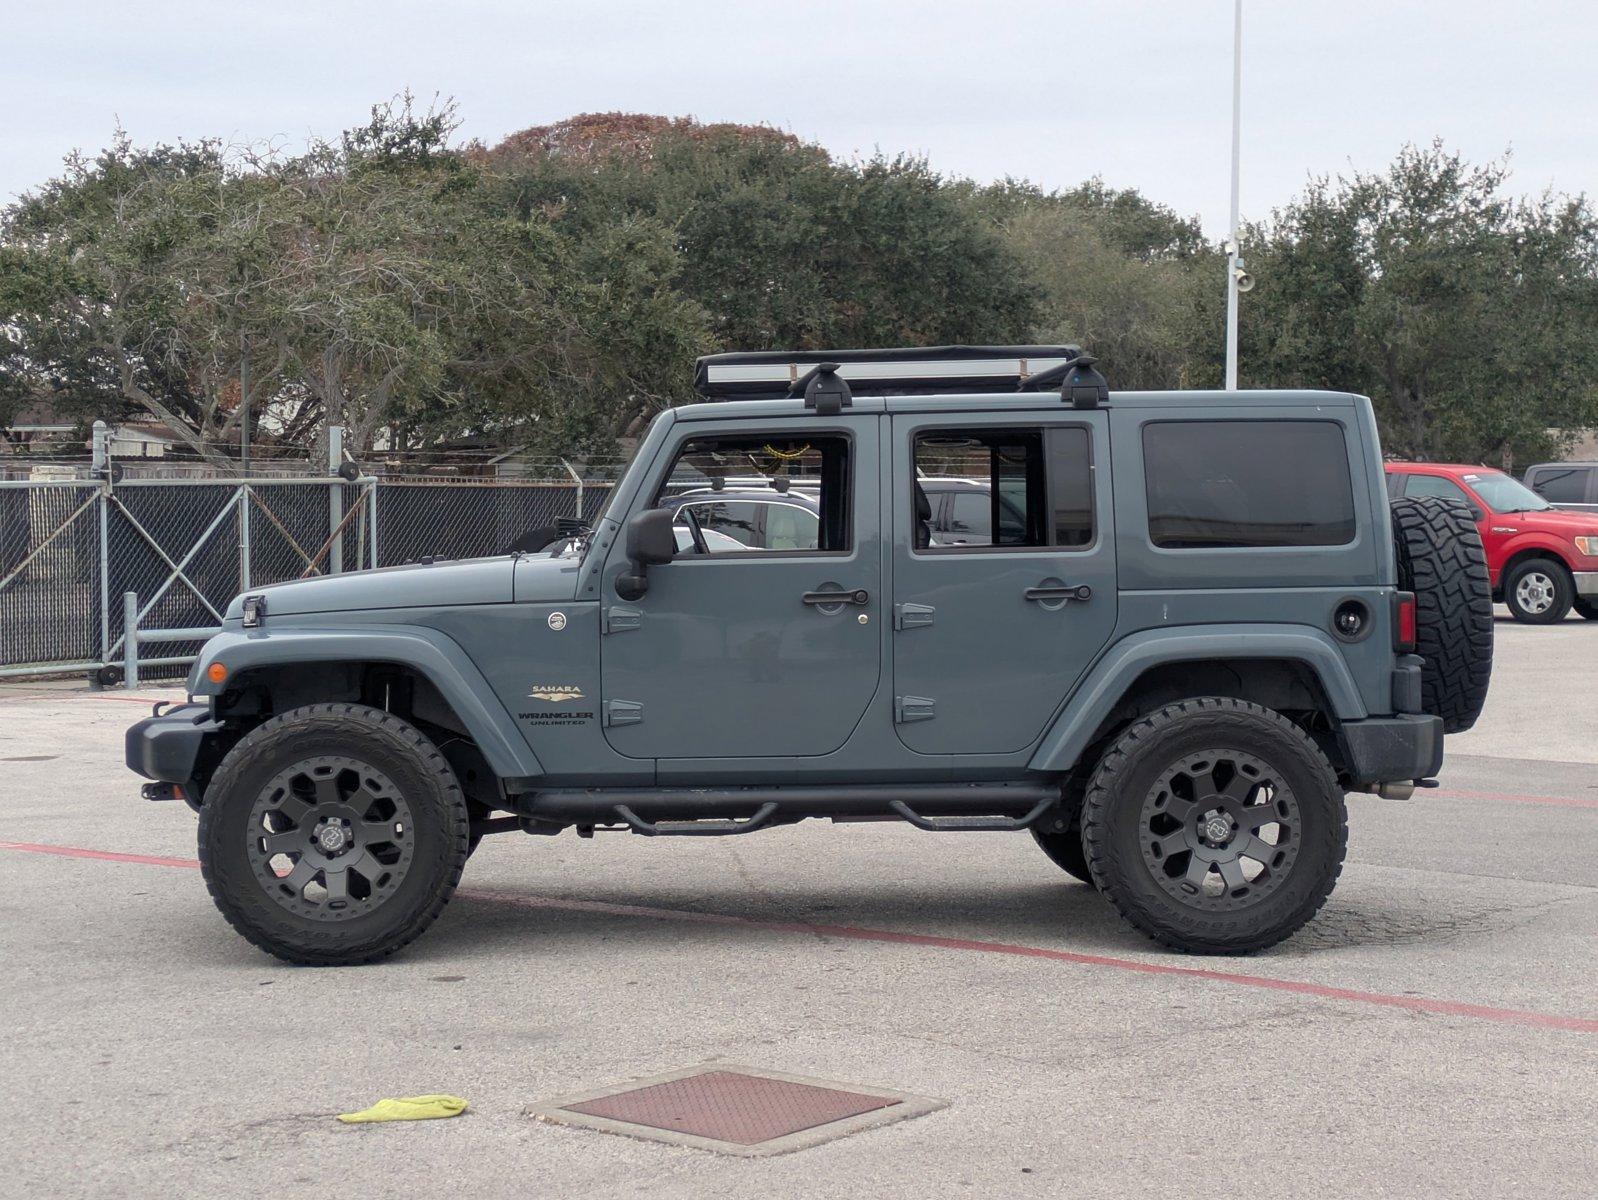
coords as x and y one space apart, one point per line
103 290
374 282
1471 318
782 246
1121 276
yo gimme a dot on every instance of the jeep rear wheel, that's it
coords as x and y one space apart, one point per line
1215 826
1441 560
333 834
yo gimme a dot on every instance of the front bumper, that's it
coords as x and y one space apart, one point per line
167 746
1586 582
1393 749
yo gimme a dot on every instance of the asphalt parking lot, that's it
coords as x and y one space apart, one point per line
1433 1033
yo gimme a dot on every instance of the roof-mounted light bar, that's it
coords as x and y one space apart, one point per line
911 371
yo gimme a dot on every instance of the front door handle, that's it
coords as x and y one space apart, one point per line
1066 591
855 596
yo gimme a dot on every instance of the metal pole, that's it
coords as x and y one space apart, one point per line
130 638
102 470
578 480
335 504
371 492
244 464
1231 236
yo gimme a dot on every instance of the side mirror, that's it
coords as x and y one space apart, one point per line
650 542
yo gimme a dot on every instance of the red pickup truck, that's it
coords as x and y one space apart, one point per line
1541 561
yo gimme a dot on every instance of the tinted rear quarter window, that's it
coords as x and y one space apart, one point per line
1228 484
1561 485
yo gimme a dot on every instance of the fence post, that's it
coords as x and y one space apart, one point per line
130 638
371 492
101 470
578 480
244 534
335 499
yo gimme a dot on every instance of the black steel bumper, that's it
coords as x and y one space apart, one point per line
1391 749
166 747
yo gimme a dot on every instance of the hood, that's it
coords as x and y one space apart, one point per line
547 578
415 585
1565 524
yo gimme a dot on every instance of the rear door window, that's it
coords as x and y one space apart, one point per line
999 489
1561 485
1235 484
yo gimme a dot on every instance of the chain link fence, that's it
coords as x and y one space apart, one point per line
84 563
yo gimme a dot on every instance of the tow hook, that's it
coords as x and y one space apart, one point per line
161 791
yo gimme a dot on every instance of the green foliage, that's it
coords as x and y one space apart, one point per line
779 244
1470 318
1123 277
552 292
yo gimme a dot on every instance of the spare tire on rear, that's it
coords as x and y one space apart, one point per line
1441 560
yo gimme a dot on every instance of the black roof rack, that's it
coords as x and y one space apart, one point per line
912 371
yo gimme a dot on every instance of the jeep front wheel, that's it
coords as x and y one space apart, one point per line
333 834
1215 826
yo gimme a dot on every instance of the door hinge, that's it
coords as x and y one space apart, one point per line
620 620
912 616
913 708
623 712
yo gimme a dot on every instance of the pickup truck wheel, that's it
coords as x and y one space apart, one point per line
333 834
1441 560
1539 591
1215 826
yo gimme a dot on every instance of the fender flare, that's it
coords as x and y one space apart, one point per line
435 655
1102 688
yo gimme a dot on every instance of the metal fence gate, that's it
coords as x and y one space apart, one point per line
85 564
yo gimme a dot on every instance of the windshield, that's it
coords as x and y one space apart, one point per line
1502 494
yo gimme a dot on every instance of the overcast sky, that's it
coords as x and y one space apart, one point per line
1135 91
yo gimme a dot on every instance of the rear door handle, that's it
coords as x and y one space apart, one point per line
855 596
1077 591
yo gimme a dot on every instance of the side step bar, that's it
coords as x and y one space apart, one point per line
704 812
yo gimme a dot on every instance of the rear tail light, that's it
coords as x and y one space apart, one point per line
1404 618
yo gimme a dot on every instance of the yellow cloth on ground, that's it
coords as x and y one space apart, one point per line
407 1108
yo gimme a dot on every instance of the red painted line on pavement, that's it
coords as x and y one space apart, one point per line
147 860
1449 1008
67 696
1453 1008
1448 793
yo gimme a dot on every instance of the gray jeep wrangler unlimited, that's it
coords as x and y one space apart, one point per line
1163 632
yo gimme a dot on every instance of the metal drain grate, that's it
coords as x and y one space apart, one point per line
735 1110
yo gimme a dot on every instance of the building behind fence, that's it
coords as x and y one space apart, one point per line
71 550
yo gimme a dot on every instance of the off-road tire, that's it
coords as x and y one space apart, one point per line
1441 560
1113 835
1557 578
1587 608
439 830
